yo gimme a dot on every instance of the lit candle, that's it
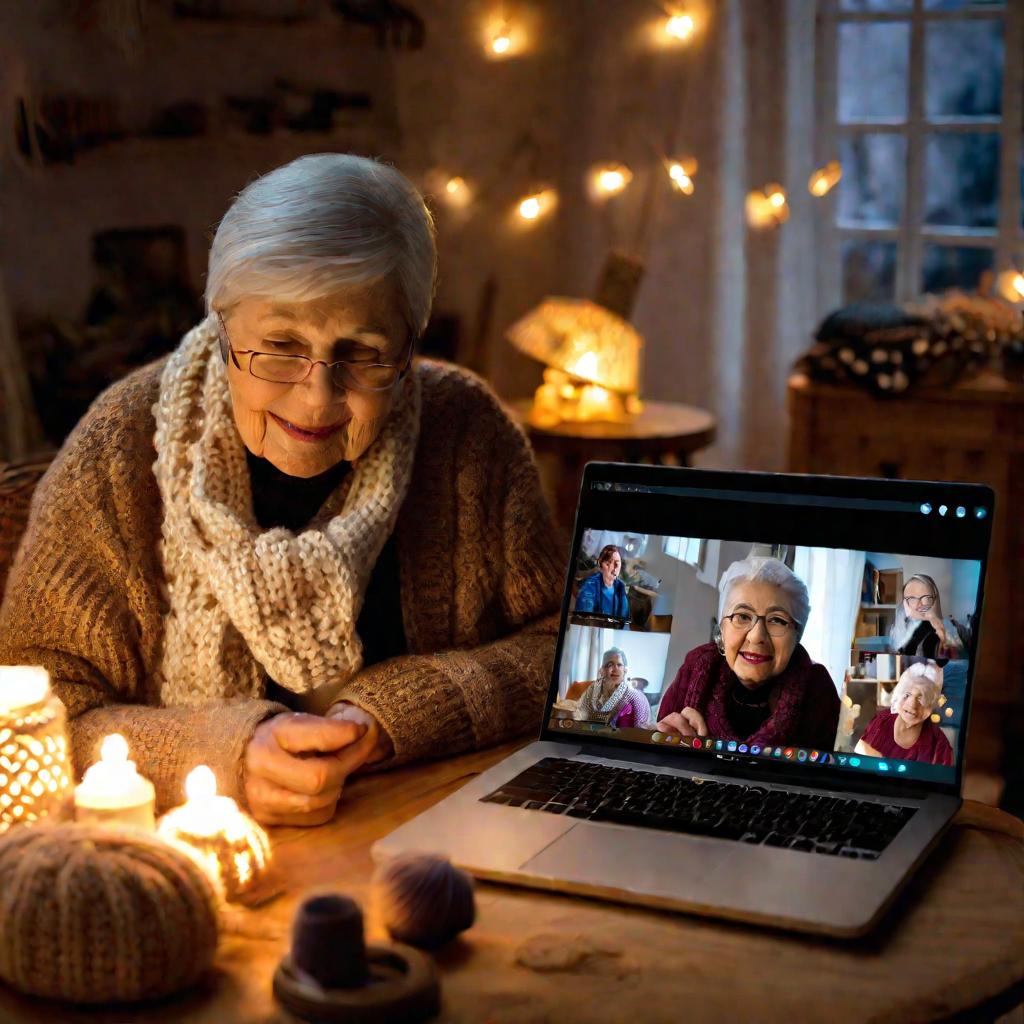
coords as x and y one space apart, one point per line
232 849
113 792
22 686
34 761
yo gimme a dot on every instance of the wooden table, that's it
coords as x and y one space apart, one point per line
665 433
953 942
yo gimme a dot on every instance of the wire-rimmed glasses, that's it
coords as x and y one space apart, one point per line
285 368
775 623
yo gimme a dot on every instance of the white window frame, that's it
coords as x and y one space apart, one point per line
689 550
912 234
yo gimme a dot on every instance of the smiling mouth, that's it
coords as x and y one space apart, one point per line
306 433
754 659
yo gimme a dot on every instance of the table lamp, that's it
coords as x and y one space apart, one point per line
590 350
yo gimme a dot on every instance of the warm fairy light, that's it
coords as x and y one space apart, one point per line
824 179
1011 285
767 207
454 185
610 179
679 26
231 847
537 205
114 749
586 366
501 43
681 176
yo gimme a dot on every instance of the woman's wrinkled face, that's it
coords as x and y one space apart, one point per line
610 568
913 706
308 427
918 600
754 655
613 670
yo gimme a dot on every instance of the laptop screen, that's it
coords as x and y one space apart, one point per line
779 623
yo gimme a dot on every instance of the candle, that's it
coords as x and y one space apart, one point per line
113 792
34 773
231 847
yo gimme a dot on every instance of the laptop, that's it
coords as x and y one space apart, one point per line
808 646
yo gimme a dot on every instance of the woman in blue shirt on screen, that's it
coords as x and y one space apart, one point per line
604 593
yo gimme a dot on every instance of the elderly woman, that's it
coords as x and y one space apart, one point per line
604 593
755 683
905 730
290 549
918 628
612 698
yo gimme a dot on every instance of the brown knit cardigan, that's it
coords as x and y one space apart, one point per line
480 576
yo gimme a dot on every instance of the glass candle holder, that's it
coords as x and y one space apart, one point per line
35 769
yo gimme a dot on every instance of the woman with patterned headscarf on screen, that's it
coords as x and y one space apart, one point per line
612 698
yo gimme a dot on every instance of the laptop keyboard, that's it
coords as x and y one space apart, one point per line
724 810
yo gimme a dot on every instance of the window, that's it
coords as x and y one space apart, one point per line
687 549
921 101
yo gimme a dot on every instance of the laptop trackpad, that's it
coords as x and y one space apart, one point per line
633 860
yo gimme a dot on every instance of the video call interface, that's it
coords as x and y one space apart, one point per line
811 655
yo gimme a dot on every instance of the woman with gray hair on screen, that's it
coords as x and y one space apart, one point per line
290 549
905 730
755 683
612 698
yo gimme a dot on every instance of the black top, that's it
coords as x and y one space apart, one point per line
923 642
747 710
290 501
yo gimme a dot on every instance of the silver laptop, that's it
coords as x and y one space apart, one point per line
758 704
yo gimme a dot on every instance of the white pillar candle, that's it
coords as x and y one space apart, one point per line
113 792
21 686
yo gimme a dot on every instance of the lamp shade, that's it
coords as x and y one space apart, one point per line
582 339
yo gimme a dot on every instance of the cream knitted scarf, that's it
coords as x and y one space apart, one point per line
247 603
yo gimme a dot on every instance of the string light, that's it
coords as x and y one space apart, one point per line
537 204
1011 285
767 207
457 192
609 179
824 179
501 42
679 27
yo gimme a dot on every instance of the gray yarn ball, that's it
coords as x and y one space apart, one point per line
423 900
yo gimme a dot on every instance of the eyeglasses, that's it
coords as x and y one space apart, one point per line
920 602
293 369
776 624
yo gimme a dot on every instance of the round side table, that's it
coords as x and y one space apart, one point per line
665 433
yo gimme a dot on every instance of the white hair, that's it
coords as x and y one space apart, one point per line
925 674
761 569
320 224
614 650
903 626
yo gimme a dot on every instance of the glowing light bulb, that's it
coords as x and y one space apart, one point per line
776 195
824 179
114 749
536 205
679 26
501 44
454 185
610 179
1010 284
681 181
201 783
586 365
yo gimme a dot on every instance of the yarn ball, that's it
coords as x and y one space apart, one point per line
423 900
96 915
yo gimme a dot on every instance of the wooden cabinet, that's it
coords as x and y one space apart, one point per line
972 432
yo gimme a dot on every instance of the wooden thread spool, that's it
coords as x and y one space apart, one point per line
331 973
423 900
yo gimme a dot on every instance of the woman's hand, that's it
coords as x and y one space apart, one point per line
688 722
296 766
347 712
938 626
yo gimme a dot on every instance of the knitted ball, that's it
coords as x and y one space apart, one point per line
96 915
423 900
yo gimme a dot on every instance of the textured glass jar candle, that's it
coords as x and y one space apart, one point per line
35 768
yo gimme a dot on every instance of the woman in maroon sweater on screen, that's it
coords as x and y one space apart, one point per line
905 731
755 683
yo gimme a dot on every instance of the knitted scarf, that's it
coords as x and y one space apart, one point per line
589 706
710 677
246 603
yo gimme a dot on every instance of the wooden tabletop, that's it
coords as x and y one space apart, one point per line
954 940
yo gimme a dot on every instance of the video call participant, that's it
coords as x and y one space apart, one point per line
604 593
612 698
755 683
905 730
918 628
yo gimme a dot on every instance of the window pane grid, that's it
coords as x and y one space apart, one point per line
994 231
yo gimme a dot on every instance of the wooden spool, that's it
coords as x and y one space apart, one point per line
401 988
